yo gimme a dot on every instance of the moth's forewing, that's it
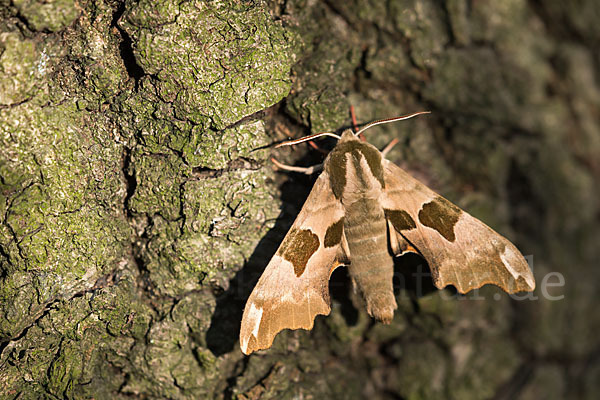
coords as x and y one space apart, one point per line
460 250
294 289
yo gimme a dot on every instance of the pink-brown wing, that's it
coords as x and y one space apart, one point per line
294 288
460 250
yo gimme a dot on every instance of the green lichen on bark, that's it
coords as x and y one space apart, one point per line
62 186
47 16
17 64
62 193
212 60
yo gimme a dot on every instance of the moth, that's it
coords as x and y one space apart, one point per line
362 211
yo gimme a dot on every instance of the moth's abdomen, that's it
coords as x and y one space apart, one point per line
371 265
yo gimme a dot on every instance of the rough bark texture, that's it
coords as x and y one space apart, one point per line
138 206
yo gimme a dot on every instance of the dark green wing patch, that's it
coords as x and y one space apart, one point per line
441 215
337 173
400 219
299 245
333 236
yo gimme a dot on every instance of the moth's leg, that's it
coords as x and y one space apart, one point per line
345 249
398 243
317 148
394 245
353 116
355 124
303 170
389 147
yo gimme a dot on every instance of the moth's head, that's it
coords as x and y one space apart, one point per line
348 136
349 142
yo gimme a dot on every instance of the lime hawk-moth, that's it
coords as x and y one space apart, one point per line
361 212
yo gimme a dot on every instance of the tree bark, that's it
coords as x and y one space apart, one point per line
138 206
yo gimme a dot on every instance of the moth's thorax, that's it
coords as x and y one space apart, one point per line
355 169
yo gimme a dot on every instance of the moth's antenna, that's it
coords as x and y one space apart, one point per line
370 125
385 121
307 138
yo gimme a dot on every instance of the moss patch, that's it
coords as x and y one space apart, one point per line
220 61
47 16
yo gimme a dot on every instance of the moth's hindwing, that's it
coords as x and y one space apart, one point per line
460 250
294 287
